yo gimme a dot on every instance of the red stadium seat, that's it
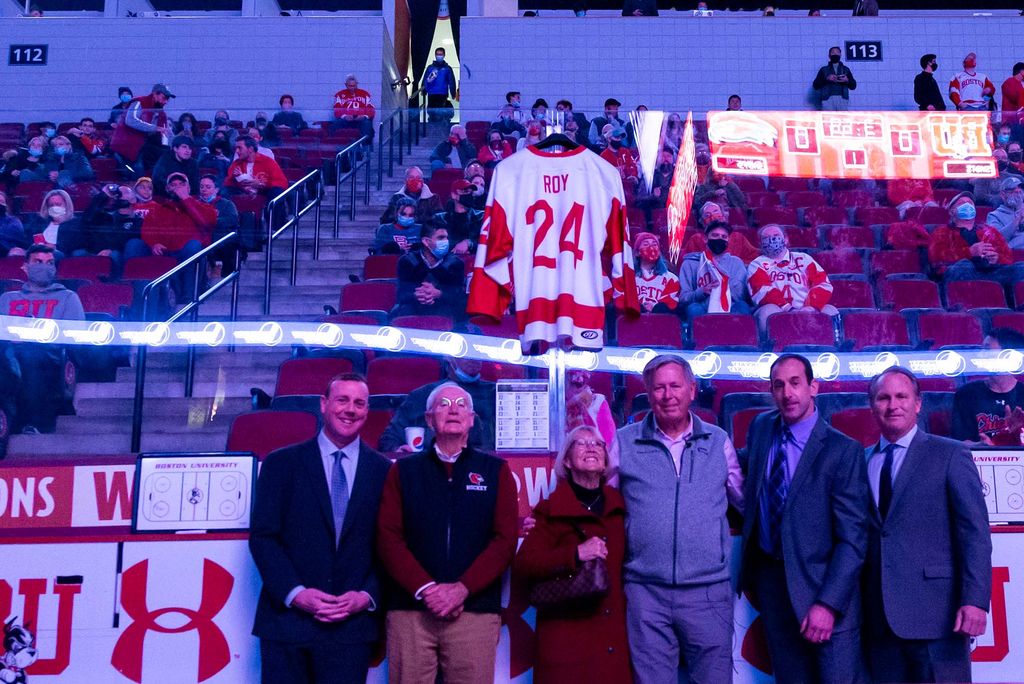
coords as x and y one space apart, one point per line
928 215
106 298
870 216
824 216
851 294
841 261
263 432
799 328
898 295
787 184
649 330
891 261
762 200
749 184
858 424
723 388
875 329
1014 321
842 237
741 421
506 327
802 238
945 329
376 423
440 323
85 267
372 295
974 294
723 330
11 268
782 215
148 267
845 199
308 376
805 198
401 374
826 386
353 319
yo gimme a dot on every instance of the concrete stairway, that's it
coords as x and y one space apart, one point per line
223 378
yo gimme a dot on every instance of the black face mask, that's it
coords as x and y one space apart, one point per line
703 158
261 123
935 66
3 210
220 121
718 245
665 168
1003 166
1014 156
616 144
834 59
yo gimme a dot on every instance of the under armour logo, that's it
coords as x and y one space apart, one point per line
214 654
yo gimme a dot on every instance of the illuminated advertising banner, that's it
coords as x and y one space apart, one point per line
852 144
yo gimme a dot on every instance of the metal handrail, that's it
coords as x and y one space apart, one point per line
293 192
191 309
418 123
390 140
353 171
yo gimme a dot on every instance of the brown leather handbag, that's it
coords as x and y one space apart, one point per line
578 587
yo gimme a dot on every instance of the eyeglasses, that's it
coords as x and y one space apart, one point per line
458 402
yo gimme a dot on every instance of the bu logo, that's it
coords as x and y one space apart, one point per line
214 654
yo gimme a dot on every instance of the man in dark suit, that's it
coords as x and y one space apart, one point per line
805 533
312 537
928 575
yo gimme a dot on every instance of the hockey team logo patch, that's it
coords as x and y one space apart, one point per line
476 483
589 334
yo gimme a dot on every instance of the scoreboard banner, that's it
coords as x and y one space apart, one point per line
865 145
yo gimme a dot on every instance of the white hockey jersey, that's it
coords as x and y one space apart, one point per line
555 239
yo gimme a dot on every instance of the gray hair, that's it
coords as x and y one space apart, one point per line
432 397
760 231
663 360
877 380
570 439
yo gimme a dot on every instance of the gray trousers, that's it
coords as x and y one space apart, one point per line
836 103
672 627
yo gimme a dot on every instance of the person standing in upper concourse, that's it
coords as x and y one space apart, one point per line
834 82
926 91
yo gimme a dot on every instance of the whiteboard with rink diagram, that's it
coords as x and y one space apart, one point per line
1002 481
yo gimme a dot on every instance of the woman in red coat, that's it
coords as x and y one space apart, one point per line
579 644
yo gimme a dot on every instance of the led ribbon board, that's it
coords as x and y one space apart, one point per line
852 144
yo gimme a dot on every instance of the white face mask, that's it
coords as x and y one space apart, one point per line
57 212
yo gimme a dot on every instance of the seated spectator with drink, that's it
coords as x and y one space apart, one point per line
253 173
56 225
110 223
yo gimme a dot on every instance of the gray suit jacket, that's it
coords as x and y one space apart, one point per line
933 553
824 524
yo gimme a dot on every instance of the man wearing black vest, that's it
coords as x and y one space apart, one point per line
446 532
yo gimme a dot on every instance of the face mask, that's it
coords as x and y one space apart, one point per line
414 186
464 377
453 139
35 152
61 151
516 105
1003 166
834 59
261 123
406 221
220 121
1003 139
495 144
773 245
615 144
665 168
970 63
966 212
650 253
42 275
718 245
125 97
1014 156
935 66
438 58
186 126
56 212
440 248
49 132
703 158
479 189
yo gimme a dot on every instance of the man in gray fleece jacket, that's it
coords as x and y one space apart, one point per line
720 271
678 476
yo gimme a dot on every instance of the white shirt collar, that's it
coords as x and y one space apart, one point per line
327 447
446 457
902 442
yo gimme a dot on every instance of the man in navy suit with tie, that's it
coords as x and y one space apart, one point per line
928 574
312 538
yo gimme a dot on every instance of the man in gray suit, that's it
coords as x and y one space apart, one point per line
805 533
928 575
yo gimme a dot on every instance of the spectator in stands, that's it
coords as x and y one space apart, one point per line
124 97
584 406
1013 95
909 193
673 136
431 280
661 182
1014 157
507 124
288 116
218 156
990 412
412 412
719 189
222 130
188 127
254 133
13 238
61 165
834 82
539 111
926 91
353 109
970 90
85 139
584 519
55 224
782 280
739 245
496 150
253 173
630 128
574 133
610 116
175 224
640 8
267 133
713 280
534 134
28 159
1008 217
110 222
439 84
735 104
618 155
460 219
443 616
473 168
142 129
1002 136
454 151
427 203
768 11
965 251
227 221
178 159
477 199
143 189
656 286
513 102
42 366
568 114
401 234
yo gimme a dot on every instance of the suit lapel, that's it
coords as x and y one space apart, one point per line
811 450
868 453
917 453
314 466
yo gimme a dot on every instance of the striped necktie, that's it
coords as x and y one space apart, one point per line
339 493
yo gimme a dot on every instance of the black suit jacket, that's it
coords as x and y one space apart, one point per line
292 542
933 553
824 524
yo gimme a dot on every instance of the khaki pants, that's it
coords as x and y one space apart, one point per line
419 644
